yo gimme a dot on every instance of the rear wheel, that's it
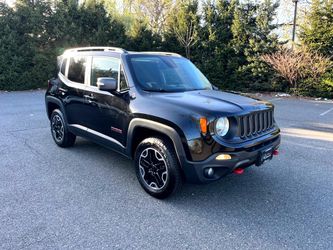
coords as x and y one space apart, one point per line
61 136
157 167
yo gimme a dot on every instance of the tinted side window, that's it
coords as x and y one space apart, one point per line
104 67
63 67
77 68
123 83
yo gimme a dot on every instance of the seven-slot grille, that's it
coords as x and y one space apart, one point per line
255 123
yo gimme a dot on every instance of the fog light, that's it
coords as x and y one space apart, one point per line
222 157
209 172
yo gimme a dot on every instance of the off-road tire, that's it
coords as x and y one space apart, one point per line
164 153
59 130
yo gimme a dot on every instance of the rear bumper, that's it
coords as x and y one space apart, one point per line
194 171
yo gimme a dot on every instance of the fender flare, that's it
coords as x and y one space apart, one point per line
158 127
54 100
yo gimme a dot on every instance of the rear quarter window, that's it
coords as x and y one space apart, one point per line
77 69
63 67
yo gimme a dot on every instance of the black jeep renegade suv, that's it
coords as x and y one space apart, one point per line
160 110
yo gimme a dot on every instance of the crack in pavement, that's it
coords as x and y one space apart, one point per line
25 129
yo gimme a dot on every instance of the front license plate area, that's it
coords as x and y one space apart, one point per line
264 155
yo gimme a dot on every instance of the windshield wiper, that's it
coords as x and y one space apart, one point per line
161 90
198 89
158 90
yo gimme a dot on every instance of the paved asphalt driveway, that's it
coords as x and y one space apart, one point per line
88 196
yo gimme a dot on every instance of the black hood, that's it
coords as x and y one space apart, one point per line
211 102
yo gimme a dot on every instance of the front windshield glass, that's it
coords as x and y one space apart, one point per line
167 74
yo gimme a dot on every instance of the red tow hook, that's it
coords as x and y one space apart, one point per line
238 171
276 152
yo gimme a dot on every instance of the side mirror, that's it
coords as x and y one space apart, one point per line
106 83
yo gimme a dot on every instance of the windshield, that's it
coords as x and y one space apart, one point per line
167 74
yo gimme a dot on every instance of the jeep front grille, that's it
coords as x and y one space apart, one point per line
255 124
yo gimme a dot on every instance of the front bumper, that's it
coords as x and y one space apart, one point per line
194 171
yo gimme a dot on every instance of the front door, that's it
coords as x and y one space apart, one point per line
108 111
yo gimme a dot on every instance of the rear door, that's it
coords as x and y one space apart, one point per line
73 76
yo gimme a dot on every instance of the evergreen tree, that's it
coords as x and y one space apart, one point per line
34 32
214 53
317 35
24 57
260 40
85 25
143 39
317 31
225 39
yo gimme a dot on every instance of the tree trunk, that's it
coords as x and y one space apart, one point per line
187 51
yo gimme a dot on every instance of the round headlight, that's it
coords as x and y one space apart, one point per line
222 126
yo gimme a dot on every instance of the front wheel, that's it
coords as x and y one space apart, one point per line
157 167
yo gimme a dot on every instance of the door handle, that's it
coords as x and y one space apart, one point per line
90 98
62 90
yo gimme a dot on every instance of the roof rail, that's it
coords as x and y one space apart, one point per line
159 53
84 49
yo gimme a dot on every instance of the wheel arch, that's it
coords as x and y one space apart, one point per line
140 128
53 103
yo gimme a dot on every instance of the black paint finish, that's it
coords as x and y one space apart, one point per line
112 119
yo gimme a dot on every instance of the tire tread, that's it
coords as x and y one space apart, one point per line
174 169
69 138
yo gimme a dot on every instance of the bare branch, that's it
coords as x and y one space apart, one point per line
295 65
